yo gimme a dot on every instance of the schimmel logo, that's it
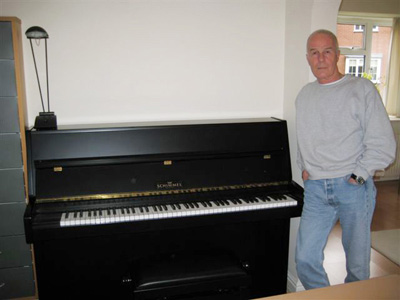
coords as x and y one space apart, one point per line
169 185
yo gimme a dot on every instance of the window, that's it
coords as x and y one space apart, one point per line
365 47
355 65
358 28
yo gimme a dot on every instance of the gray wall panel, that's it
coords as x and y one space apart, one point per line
7 79
12 279
12 185
15 252
9 120
10 151
12 219
6 48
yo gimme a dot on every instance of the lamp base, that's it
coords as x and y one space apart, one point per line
46 121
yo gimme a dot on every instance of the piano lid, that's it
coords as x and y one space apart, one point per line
149 139
165 123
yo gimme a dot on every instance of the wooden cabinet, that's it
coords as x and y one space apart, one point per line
16 272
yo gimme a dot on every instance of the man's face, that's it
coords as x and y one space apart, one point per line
322 57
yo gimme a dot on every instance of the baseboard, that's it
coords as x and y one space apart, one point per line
294 284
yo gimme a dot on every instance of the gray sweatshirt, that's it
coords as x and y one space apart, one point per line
343 128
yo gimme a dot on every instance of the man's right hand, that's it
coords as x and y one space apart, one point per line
305 175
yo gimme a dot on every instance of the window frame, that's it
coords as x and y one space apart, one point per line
369 23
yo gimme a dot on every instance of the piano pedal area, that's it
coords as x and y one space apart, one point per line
195 276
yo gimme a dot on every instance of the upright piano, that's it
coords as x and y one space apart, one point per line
108 204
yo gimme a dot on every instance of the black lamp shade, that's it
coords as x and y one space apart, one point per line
36 32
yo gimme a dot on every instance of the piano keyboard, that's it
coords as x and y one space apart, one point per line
151 212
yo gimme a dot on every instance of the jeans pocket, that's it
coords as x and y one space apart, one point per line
347 180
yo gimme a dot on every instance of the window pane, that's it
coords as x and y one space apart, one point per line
351 64
380 56
351 36
373 70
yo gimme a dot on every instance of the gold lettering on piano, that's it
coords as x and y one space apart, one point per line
267 156
169 185
167 162
57 169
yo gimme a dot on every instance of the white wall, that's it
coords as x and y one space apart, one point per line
298 28
132 60
120 61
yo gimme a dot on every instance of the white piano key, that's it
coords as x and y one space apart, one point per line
118 218
71 219
62 220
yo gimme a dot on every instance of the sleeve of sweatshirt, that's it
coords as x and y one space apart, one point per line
379 142
299 160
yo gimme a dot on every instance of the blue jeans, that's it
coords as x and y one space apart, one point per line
325 202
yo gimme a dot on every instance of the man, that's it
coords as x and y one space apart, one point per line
344 136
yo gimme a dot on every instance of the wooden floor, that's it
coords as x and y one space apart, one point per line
386 216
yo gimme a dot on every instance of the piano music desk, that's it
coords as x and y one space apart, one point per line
386 287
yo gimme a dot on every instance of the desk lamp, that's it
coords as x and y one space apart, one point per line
47 119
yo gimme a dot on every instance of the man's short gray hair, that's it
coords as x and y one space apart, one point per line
326 32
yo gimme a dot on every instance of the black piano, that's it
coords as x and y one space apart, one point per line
162 211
